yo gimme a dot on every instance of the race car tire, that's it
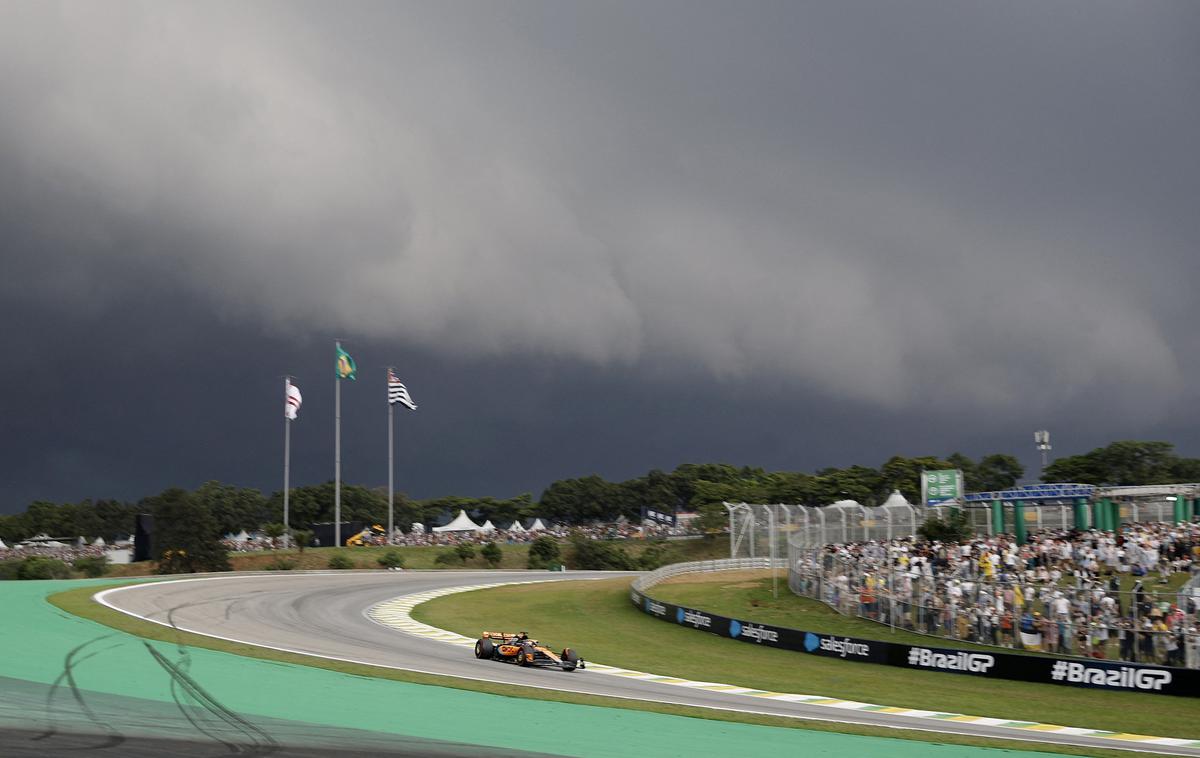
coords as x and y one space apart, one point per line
484 649
570 659
523 656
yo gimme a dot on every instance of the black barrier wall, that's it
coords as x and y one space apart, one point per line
1073 672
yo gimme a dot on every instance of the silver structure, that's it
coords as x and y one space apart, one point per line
772 531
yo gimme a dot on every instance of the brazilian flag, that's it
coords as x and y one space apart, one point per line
345 366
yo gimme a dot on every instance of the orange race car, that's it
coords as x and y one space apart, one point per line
518 648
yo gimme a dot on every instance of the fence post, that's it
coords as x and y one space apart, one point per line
1081 513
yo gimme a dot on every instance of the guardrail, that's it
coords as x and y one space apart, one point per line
645 581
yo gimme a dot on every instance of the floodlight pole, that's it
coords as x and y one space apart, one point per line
1041 438
771 530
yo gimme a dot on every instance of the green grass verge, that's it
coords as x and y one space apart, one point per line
598 619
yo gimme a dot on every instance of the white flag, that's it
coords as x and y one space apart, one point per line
291 404
398 393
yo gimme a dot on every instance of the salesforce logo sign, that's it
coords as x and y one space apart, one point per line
833 646
695 618
750 631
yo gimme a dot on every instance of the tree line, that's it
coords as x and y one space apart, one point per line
689 487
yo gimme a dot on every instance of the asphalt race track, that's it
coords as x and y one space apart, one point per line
324 615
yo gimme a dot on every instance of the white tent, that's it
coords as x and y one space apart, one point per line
537 526
516 527
417 527
42 540
488 526
99 542
3 546
895 499
80 542
242 536
461 523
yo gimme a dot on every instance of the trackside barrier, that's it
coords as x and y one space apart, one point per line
648 580
1093 673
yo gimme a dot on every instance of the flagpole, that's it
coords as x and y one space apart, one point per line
337 455
391 466
287 459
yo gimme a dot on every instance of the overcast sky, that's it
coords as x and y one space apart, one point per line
593 237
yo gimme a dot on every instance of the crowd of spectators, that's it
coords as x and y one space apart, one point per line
619 530
1122 595
63 552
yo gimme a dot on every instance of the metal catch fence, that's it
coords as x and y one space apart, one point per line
767 531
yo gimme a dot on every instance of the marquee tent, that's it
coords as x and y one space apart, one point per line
537 526
488 526
516 527
461 523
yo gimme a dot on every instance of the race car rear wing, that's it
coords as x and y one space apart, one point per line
500 635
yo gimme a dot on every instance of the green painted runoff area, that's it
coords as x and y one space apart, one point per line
36 638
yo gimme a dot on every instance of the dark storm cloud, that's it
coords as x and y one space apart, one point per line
831 216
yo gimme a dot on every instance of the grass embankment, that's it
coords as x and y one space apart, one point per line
748 595
514 556
598 619
79 602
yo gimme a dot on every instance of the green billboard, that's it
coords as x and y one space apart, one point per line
940 486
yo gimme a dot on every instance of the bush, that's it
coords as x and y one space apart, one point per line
392 559
92 565
465 552
38 567
284 564
655 555
492 554
543 554
953 529
594 555
274 531
446 558
302 538
340 562
9 569
186 534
